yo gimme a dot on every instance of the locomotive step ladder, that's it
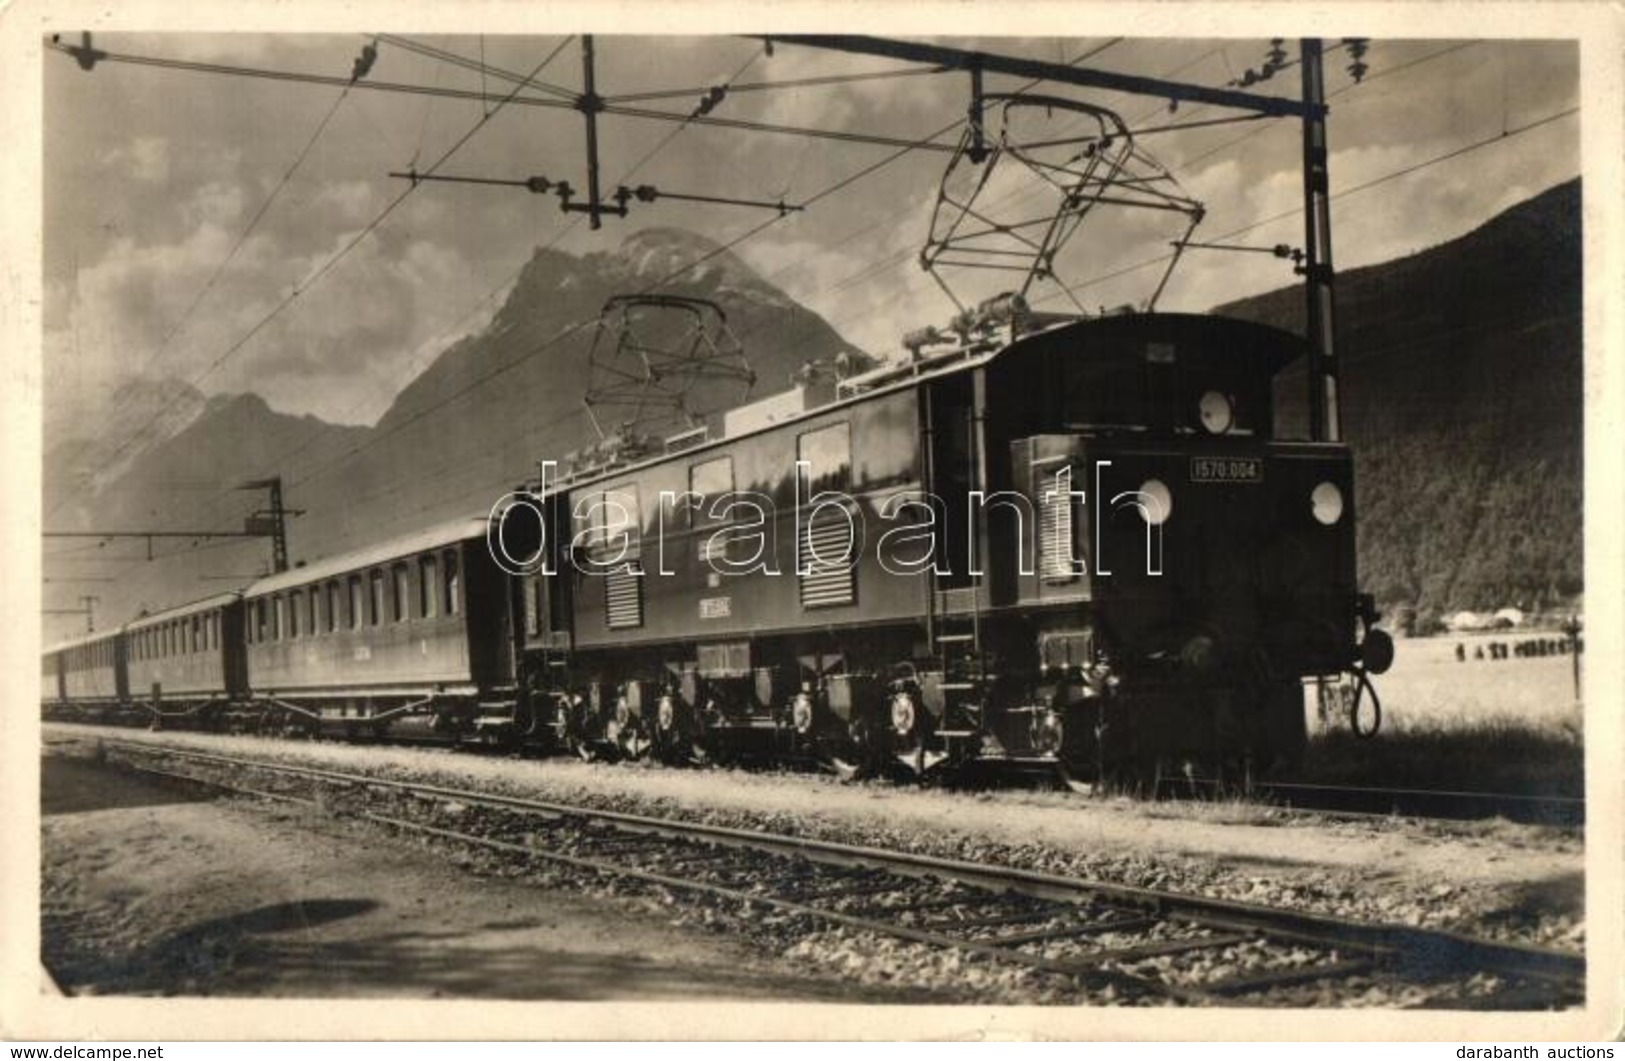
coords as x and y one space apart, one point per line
956 644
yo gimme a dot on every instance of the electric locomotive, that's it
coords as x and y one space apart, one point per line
1061 543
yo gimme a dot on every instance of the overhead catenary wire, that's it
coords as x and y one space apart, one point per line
513 99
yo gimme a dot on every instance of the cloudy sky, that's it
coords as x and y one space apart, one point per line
152 176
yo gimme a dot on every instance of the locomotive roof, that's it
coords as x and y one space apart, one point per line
182 610
1285 346
441 534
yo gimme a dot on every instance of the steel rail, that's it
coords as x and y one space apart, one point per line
1392 947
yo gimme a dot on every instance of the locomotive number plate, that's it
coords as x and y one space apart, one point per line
1227 470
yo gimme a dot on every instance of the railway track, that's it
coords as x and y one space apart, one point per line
1116 943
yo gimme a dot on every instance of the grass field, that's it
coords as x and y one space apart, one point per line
1511 725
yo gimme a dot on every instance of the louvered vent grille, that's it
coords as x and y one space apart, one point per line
623 597
1055 541
825 542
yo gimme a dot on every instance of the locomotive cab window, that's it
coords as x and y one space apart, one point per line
827 456
712 483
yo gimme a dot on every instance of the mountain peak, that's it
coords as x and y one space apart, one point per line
665 256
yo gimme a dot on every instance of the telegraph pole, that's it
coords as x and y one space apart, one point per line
87 609
1325 422
271 522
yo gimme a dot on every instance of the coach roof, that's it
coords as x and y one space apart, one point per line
448 533
81 640
219 600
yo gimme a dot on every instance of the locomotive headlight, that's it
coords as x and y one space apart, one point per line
1217 411
1156 503
902 714
1326 502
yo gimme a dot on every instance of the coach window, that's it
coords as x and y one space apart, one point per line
827 454
428 590
376 614
453 582
197 638
335 605
400 597
296 604
281 625
358 602
311 596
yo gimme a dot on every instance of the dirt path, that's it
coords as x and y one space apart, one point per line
150 889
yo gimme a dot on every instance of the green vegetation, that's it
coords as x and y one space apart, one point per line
1462 384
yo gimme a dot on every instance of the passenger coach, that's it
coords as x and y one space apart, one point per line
86 676
410 637
185 664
